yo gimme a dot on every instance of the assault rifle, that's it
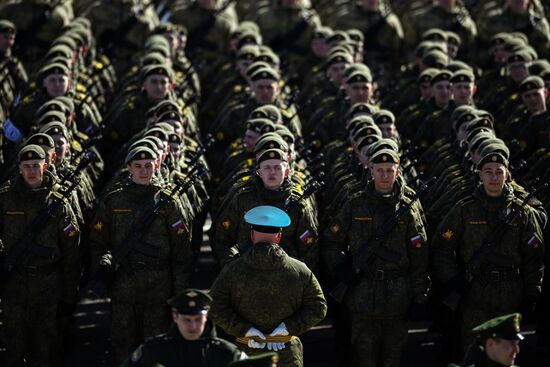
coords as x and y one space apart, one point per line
351 267
485 253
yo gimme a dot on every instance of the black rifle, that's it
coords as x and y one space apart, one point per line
311 188
195 37
485 253
374 247
28 243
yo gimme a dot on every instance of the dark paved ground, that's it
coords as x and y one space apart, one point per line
89 344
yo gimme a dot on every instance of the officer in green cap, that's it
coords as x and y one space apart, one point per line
190 341
511 284
161 267
49 272
265 298
497 342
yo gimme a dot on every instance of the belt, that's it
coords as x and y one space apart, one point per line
384 274
143 266
35 270
500 275
268 339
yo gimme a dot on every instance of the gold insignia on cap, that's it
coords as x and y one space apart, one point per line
494 158
362 107
191 294
264 74
384 158
143 155
29 154
272 154
192 303
40 140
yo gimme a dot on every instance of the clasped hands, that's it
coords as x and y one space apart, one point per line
279 331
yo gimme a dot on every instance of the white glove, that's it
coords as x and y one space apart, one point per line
275 346
251 342
280 331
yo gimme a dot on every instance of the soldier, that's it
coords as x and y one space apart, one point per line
43 282
271 316
510 276
384 41
497 342
272 186
191 340
137 293
13 66
380 298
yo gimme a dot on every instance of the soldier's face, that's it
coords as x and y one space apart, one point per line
384 175
190 327
371 4
518 6
208 4
426 91
499 54
142 171
265 91
319 47
32 172
518 71
388 130
56 85
493 176
535 100
335 72
7 39
442 92
273 172
175 149
61 148
452 50
359 92
463 92
250 139
157 87
502 351
462 132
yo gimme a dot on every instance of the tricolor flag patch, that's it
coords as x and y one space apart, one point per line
533 242
179 227
69 230
416 241
304 237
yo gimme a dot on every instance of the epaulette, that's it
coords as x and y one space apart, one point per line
134 69
80 88
6 187
98 65
315 69
226 66
222 344
237 88
514 96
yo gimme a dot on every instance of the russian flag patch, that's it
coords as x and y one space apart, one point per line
533 242
417 241
306 237
179 227
69 230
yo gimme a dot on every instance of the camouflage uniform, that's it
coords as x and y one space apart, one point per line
379 302
243 300
37 287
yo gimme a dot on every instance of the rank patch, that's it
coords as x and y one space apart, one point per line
98 226
304 237
69 230
448 234
335 228
226 224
